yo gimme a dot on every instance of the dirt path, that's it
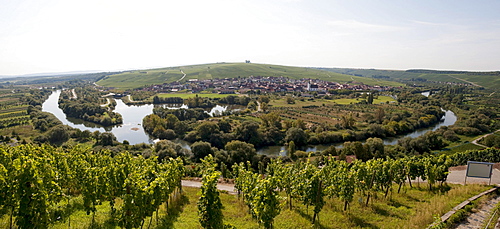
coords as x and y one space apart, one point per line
477 85
479 139
182 76
74 94
107 103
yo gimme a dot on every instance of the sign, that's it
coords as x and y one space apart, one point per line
479 169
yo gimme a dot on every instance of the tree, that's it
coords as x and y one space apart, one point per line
271 119
290 100
248 131
379 115
106 139
347 121
201 149
58 134
291 149
225 126
297 135
370 98
165 149
264 99
356 148
240 151
331 150
207 129
375 147
264 106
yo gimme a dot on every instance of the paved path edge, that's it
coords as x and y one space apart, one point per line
446 216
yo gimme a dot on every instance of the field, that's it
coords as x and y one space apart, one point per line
191 95
320 102
139 78
489 81
412 208
12 113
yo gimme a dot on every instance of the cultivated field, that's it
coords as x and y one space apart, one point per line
139 78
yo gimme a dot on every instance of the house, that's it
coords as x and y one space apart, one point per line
312 87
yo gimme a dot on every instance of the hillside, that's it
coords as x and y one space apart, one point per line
139 78
489 80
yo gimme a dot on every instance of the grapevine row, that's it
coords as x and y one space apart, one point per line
311 184
33 179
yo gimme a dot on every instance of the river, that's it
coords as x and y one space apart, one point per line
131 129
448 119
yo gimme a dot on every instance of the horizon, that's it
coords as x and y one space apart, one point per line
46 36
82 72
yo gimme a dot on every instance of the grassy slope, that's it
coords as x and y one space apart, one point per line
134 79
487 81
412 208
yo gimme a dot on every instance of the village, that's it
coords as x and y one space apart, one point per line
263 84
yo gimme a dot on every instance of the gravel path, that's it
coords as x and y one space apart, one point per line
224 187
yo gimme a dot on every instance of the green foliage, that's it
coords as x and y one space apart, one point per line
297 135
40 176
201 150
240 151
87 106
209 204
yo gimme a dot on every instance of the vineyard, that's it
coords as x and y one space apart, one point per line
14 116
40 186
12 113
312 185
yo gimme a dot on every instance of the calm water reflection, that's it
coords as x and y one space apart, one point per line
131 129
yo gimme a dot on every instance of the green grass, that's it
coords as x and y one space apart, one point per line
412 208
191 95
298 103
489 81
380 99
460 148
139 78
320 102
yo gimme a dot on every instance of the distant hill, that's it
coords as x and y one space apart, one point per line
50 74
139 78
489 80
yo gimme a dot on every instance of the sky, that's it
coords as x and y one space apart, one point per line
38 36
